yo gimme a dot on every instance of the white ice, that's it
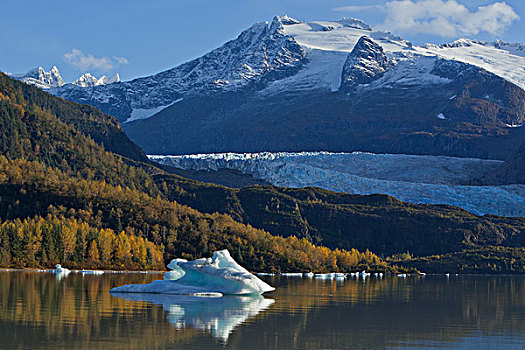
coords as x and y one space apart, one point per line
218 275
60 269
92 272
292 274
60 272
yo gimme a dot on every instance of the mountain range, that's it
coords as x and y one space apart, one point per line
336 86
52 79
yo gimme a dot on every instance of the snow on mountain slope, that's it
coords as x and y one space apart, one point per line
144 113
500 58
504 60
328 44
416 179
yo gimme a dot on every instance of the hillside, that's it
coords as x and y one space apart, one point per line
511 172
50 171
380 223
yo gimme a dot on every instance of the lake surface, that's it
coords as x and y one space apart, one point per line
37 311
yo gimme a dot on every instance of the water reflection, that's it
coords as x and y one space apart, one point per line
61 275
462 312
220 316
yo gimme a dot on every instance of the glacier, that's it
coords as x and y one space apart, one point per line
410 178
220 316
211 277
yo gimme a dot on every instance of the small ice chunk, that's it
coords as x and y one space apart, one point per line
92 272
218 274
292 274
441 116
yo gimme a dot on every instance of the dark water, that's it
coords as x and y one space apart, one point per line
39 312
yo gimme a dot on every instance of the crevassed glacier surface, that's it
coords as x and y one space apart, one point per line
213 276
410 178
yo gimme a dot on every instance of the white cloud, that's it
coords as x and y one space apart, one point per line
446 18
121 60
85 62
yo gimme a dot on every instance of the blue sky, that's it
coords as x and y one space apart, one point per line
138 38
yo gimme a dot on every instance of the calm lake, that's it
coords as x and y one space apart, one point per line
37 311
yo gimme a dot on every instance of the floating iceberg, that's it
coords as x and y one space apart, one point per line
292 274
213 276
92 272
60 272
220 316
60 269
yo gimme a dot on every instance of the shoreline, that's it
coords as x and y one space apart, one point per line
5 269
282 275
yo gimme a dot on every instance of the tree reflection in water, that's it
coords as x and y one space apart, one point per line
37 310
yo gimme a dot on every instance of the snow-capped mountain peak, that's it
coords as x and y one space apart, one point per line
364 64
88 80
292 56
52 79
40 78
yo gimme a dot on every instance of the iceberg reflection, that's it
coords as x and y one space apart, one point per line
219 315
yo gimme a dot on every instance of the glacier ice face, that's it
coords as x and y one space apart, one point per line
220 316
410 178
216 276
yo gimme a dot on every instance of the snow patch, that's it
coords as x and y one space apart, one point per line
145 113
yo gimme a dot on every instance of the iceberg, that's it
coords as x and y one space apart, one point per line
213 276
91 272
60 272
220 316
60 269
